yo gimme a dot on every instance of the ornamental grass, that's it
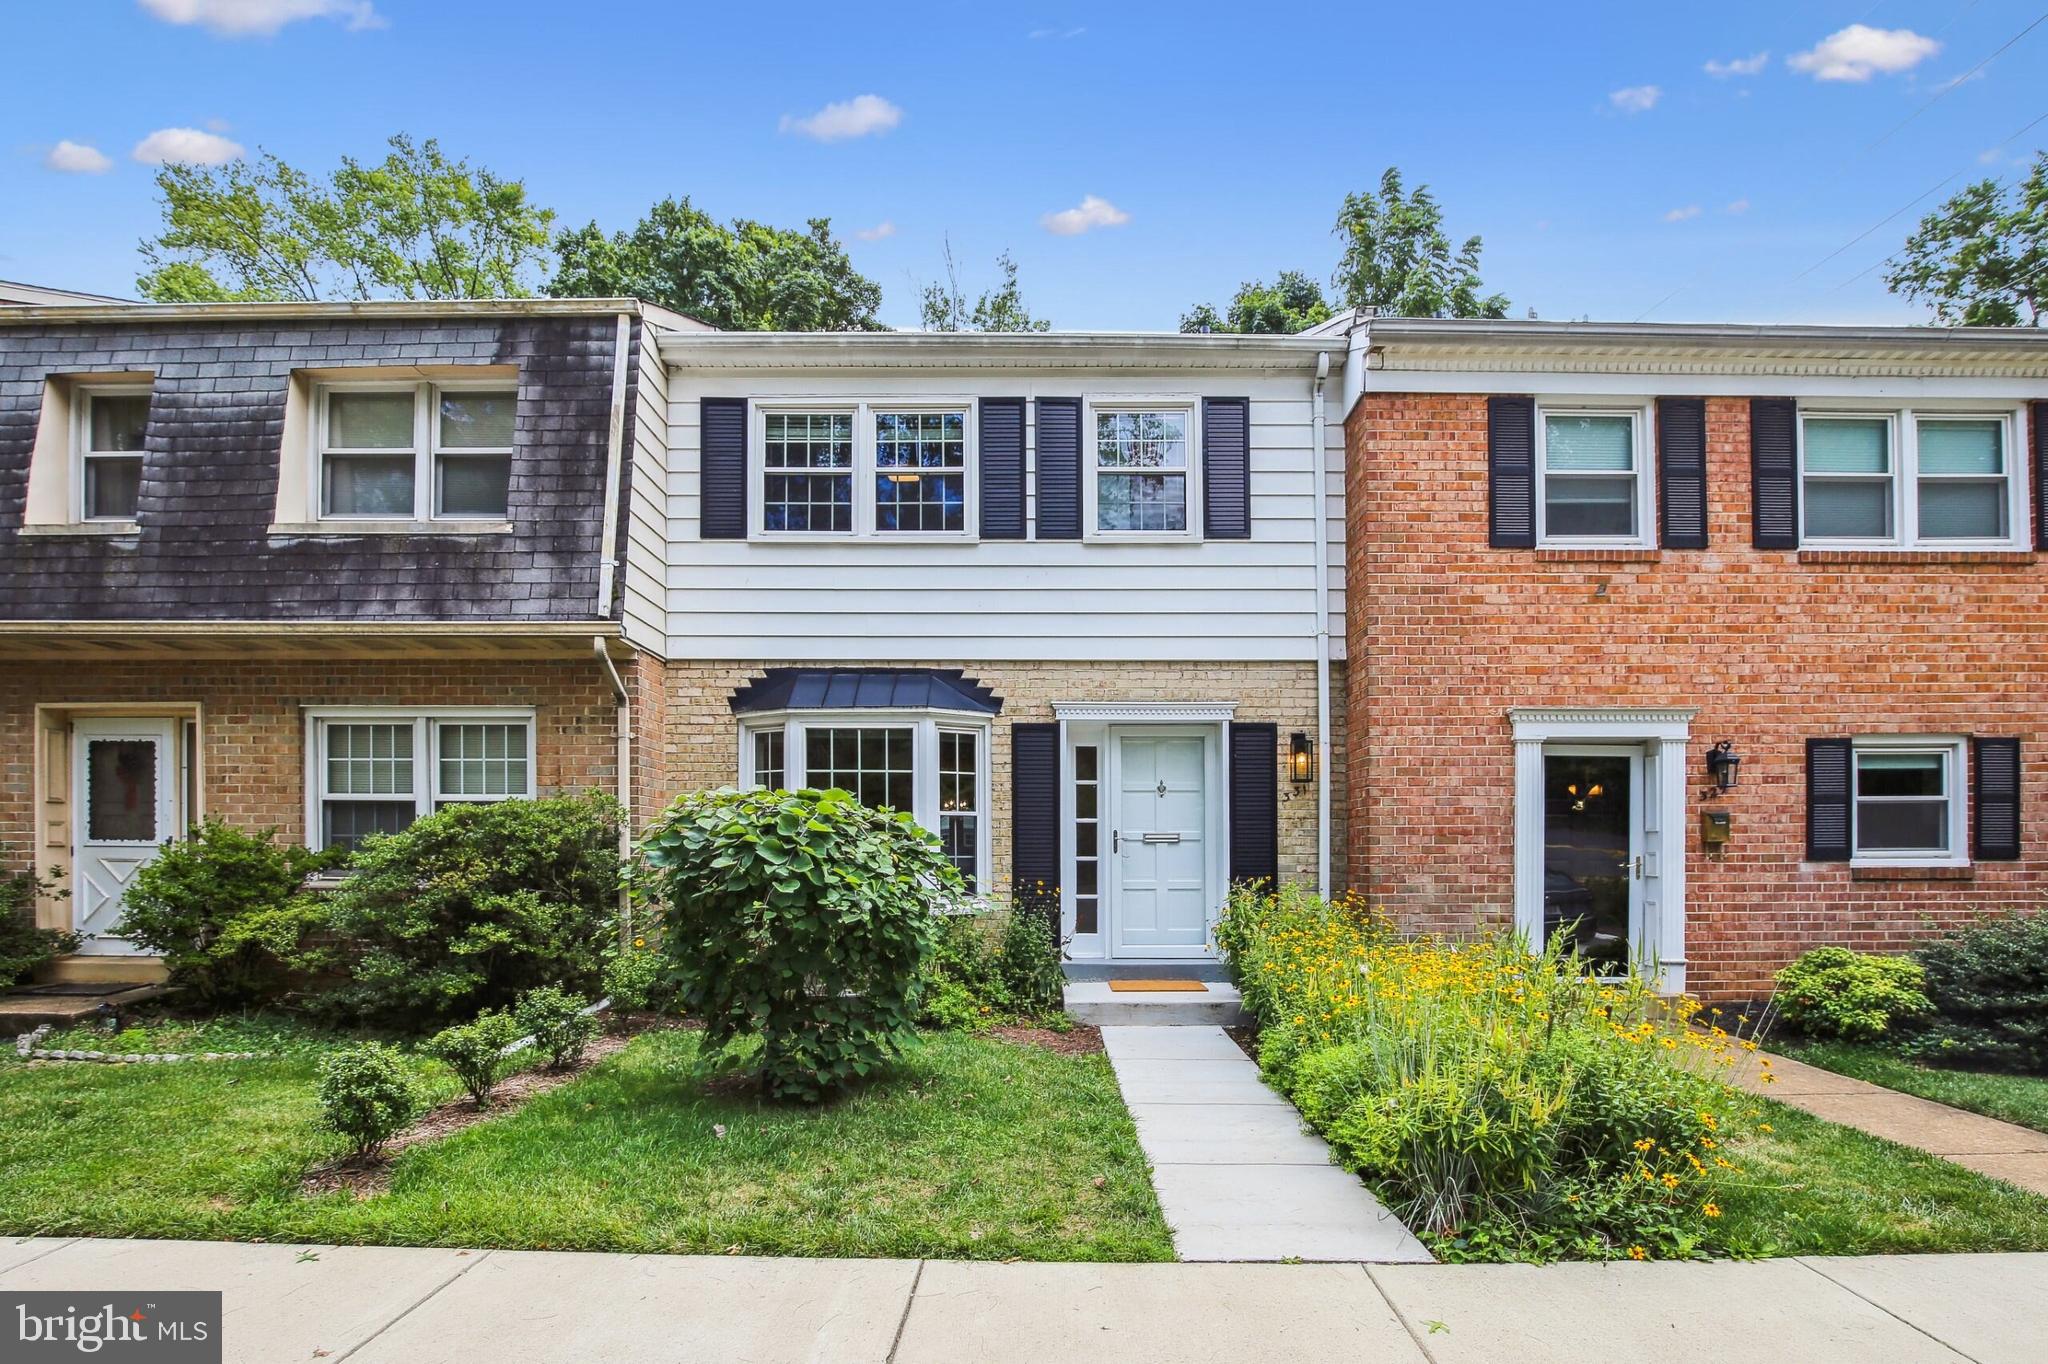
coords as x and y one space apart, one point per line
1505 1102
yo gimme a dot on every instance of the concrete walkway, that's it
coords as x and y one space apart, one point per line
2003 1150
389 1305
1238 1178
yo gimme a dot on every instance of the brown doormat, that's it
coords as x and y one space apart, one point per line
1157 986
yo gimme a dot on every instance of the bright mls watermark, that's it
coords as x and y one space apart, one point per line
164 1328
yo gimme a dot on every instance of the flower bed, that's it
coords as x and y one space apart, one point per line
1501 1102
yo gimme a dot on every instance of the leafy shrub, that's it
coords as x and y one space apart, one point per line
24 947
1028 961
1834 992
637 978
475 1052
556 1021
474 904
226 909
366 1095
1498 1099
1989 986
989 967
800 917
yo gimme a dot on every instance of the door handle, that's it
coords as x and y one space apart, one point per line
1636 862
1162 838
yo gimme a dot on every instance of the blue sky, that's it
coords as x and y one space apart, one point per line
1611 173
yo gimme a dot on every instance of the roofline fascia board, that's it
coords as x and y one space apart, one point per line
875 350
1538 335
567 629
377 309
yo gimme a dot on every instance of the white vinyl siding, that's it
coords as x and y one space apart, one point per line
1930 479
645 593
916 597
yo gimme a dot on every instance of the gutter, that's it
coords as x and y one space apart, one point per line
1319 461
624 702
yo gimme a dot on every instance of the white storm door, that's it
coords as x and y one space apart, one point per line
125 806
1159 860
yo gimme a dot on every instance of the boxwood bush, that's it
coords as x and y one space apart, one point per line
799 918
1857 996
1989 985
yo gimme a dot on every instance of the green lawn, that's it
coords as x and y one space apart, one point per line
970 1148
2016 1098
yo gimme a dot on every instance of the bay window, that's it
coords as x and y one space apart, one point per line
1910 479
376 770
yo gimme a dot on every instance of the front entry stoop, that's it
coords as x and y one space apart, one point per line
1217 1005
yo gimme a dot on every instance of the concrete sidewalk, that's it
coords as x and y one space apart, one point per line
391 1305
2002 1150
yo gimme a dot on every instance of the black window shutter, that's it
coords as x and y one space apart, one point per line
1035 817
1773 473
1827 800
1255 803
1511 472
1682 473
1001 468
722 469
1995 792
1226 468
1059 468
2040 419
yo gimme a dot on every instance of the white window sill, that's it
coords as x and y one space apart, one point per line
1111 537
847 537
83 528
1910 863
367 527
1594 544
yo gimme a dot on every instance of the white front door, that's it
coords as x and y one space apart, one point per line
1160 886
125 805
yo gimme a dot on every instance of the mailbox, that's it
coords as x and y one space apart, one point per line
1715 826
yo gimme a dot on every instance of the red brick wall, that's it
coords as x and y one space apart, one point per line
1446 634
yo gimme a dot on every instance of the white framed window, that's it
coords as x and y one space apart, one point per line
112 422
1141 472
413 452
1908 800
881 469
1593 478
377 769
1087 839
1915 479
931 764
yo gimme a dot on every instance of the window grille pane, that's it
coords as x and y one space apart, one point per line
873 765
1902 826
1848 447
482 761
369 421
345 822
921 471
1154 502
477 421
1589 444
1848 509
1141 440
369 485
1966 448
1087 841
1581 506
369 759
807 501
113 486
768 767
1962 511
119 421
475 485
960 839
1899 774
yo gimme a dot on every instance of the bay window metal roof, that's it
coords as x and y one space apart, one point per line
865 689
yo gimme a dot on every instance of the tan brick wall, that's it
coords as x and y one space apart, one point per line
702 738
1445 634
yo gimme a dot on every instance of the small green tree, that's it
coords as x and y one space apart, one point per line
1981 259
746 276
23 946
414 225
944 307
1291 303
1398 259
556 1021
366 1095
800 918
475 1051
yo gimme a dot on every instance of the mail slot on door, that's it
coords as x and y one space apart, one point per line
1161 838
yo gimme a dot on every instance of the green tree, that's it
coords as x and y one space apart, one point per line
415 225
944 307
1981 259
742 276
1398 260
1290 304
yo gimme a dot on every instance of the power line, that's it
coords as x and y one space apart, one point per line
1943 93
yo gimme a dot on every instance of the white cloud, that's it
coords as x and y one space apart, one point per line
1039 34
1092 212
77 158
1679 215
1859 52
884 228
1737 206
1990 156
1738 66
856 117
262 18
218 125
169 146
1636 99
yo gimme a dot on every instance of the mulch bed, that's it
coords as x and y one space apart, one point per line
367 1176
1080 1040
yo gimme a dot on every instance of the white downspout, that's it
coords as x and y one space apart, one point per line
625 767
1320 461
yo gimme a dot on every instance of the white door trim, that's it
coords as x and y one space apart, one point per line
1664 733
162 731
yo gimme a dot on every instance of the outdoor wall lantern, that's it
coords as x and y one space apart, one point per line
1722 760
1301 758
